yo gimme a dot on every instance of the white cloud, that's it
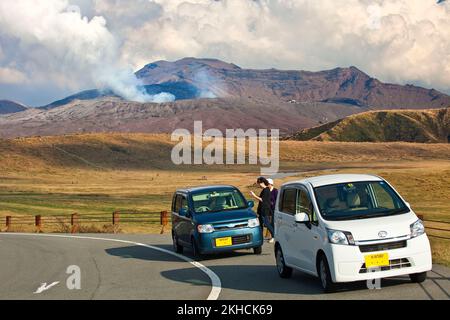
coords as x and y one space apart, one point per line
395 40
11 76
405 41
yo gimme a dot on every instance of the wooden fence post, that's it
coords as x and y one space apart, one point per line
115 220
74 223
38 223
8 223
164 220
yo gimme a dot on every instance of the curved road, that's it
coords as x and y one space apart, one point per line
143 267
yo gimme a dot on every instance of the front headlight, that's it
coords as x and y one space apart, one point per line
340 237
417 229
205 228
252 223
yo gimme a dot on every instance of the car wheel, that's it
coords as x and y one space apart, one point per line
257 250
325 275
176 247
418 277
195 251
283 270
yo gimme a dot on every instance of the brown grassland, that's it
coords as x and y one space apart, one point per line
101 173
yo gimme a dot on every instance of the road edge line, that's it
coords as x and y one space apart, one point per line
216 284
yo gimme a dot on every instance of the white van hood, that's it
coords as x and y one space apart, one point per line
368 229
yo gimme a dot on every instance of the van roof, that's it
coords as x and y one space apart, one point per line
206 188
328 179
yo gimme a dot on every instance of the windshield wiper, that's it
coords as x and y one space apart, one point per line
351 217
372 215
399 210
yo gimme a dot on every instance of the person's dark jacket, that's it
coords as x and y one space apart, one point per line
273 198
264 206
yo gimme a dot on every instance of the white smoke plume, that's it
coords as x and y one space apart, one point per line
55 36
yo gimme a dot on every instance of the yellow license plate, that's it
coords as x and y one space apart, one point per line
223 242
377 260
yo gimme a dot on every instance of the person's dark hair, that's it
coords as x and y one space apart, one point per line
262 180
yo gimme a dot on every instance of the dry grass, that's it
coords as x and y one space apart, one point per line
98 174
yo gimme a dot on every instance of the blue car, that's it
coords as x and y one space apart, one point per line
213 219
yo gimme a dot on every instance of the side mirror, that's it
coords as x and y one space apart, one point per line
301 217
250 204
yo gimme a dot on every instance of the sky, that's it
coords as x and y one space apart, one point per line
52 48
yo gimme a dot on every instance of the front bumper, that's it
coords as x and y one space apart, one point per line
206 241
347 262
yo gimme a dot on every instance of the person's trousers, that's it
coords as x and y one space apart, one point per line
268 222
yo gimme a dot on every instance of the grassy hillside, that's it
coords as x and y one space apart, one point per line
385 126
117 151
101 173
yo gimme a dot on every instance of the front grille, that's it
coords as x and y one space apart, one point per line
383 246
229 227
393 264
241 239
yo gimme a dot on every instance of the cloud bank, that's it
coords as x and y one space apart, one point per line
80 43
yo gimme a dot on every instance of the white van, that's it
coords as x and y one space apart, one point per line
348 227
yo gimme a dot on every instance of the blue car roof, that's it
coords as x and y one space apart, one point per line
206 188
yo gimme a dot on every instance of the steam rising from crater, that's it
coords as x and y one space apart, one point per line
69 46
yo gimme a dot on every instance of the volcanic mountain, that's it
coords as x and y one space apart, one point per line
222 95
192 78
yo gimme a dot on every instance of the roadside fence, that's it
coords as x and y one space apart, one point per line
436 228
74 223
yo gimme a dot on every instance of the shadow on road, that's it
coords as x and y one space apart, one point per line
256 278
142 253
139 252
264 278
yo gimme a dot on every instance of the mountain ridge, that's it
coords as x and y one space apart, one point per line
429 125
9 106
193 78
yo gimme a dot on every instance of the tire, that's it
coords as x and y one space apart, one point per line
176 247
326 281
195 251
418 277
257 250
283 270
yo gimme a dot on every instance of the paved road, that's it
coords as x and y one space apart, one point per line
135 269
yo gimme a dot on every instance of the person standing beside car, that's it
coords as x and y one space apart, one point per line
273 194
264 205
273 200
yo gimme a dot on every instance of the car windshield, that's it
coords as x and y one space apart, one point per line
358 200
218 200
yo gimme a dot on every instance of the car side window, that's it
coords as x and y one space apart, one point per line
304 204
184 203
288 201
177 203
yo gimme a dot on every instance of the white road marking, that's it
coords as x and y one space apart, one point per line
216 285
44 286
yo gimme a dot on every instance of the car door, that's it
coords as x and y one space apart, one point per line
181 222
176 219
285 223
186 220
306 234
